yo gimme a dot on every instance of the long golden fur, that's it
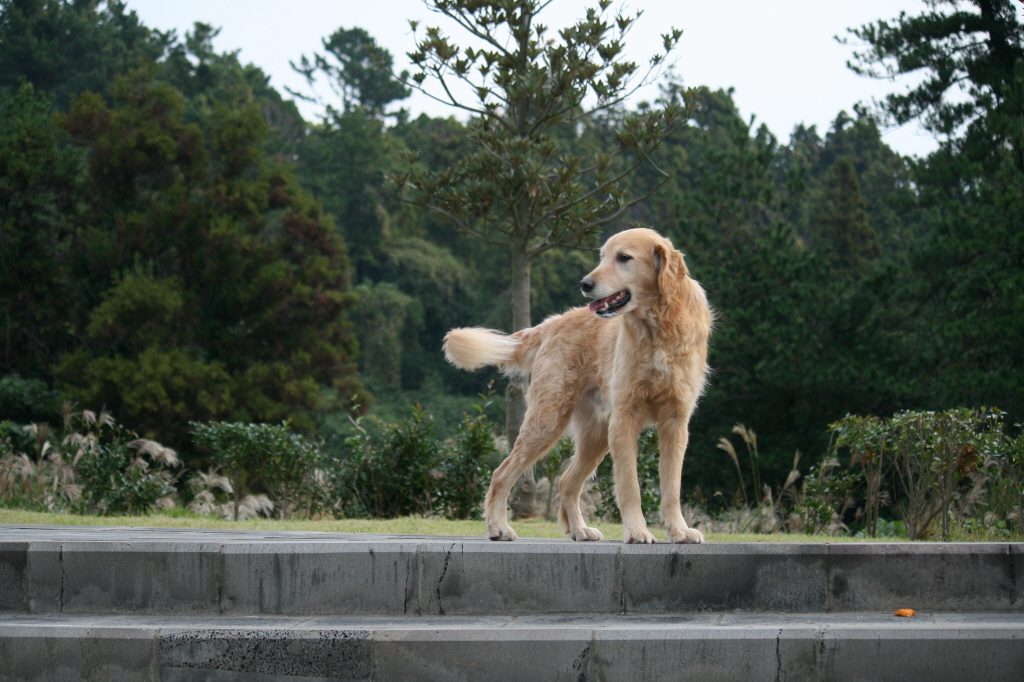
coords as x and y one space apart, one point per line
604 376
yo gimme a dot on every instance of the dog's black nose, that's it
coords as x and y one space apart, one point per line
586 285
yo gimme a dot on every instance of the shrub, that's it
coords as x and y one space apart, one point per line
269 457
934 466
115 480
41 481
23 400
932 453
95 467
391 469
865 439
465 468
1004 473
825 497
112 469
402 468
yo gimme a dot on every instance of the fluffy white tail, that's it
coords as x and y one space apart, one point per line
475 347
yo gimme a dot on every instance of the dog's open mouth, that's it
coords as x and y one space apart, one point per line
606 307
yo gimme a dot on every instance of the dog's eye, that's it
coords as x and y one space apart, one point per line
625 258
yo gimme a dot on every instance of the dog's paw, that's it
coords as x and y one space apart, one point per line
583 533
638 536
686 536
502 532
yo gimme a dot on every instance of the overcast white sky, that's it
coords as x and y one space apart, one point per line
781 57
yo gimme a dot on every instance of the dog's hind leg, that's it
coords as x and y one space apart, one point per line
591 446
540 430
673 435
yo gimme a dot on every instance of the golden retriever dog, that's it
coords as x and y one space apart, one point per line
636 357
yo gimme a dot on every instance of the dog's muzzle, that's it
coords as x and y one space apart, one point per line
607 307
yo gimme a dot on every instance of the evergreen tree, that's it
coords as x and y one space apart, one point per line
39 175
384 317
206 77
412 289
883 176
967 310
357 71
839 221
976 46
219 287
64 47
342 162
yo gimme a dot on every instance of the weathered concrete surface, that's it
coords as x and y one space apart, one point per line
705 646
79 570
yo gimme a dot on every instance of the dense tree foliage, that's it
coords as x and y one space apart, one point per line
969 268
64 48
39 178
157 260
976 47
228 284
178 244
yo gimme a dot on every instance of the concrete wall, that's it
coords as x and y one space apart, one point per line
409 576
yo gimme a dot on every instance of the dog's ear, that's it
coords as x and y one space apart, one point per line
680 299
670 268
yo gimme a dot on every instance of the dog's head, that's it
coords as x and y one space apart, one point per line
637 267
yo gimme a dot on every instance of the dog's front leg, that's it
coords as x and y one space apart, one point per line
673 435
622 434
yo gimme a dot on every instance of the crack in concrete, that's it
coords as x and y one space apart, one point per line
820 663
444 572
829 597
371 645
1013 577
778 656
420 592
618 580
220 578
579 665
408 577
63 575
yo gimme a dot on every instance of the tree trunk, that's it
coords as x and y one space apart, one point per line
524 495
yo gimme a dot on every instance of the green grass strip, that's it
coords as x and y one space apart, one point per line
409 525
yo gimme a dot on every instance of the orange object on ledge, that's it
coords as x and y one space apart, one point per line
906 613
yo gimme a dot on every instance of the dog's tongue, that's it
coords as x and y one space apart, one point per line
600 303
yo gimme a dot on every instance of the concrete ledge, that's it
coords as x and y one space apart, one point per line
164 571
702 647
